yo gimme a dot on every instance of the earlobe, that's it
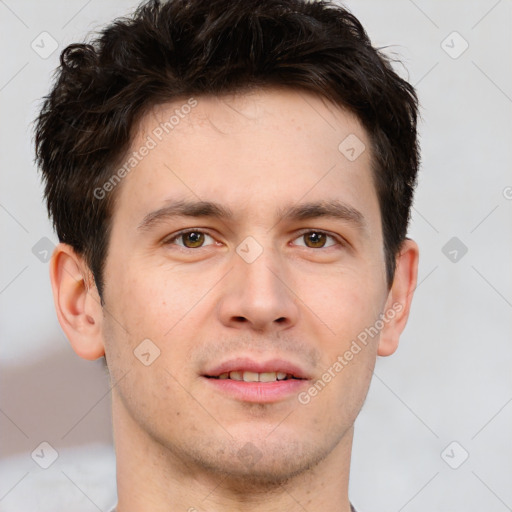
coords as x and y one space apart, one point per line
77 302
400 296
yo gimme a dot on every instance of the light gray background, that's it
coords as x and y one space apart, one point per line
450 379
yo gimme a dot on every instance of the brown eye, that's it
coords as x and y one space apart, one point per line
316 240
192 239
189 239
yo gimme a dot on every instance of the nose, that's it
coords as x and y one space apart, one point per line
258 295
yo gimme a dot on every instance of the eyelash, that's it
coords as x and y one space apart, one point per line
176 236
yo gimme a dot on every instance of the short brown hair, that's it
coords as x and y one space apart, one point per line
180 48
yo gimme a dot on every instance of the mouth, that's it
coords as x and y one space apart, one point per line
251 370
247 376
248 380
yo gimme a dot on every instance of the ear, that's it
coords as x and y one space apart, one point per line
77 302
398 302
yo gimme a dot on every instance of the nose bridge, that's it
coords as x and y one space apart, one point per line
260 265
257 293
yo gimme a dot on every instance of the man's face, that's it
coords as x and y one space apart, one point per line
262 291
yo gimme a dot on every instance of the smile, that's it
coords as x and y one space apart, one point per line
248 376
246 379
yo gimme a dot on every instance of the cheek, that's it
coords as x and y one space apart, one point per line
146 302
348 307
144 348
339 391
157 304
345 303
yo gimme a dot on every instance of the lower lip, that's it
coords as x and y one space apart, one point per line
261 392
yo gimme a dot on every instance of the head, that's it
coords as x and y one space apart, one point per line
269 115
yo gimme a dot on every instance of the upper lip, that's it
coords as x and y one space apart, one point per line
245 364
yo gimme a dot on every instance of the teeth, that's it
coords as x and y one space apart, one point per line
251 377
255 377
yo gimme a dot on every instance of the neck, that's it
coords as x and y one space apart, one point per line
151 477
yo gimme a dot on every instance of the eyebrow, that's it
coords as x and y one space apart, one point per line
333 209
184 208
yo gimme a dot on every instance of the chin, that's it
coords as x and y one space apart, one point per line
258 464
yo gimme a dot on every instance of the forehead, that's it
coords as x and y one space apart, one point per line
252 151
